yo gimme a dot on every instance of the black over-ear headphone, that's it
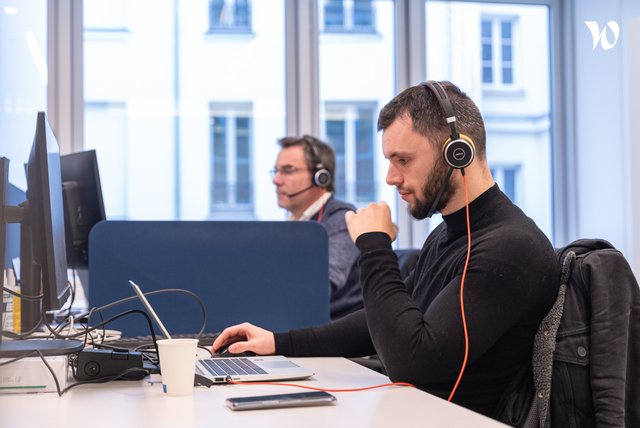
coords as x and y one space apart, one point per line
321 176
458 150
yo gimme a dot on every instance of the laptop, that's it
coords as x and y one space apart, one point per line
244 369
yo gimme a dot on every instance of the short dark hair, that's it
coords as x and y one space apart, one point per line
421 105
316 152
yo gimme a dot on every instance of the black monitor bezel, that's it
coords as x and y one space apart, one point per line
82 196
46 215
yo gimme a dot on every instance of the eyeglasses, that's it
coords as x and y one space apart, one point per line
286 170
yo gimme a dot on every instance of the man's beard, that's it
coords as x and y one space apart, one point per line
430 190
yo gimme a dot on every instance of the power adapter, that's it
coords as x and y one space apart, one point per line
95 364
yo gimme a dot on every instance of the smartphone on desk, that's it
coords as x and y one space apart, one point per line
298 399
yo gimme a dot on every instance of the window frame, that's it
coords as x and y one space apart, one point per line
232 112
348 9
497 62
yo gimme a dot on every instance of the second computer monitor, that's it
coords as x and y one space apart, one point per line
83 203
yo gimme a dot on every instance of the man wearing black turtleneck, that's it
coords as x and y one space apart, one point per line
415 326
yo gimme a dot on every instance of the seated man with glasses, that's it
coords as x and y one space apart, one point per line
304 179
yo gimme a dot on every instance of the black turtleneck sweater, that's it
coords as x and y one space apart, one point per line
415 326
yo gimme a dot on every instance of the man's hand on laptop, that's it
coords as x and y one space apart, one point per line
245 337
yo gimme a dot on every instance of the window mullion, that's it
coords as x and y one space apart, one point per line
303 94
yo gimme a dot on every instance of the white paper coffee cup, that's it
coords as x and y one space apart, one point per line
177 365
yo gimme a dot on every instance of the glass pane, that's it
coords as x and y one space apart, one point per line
243 161
487 52
105 127
333 15
23 80
487 74
200 131
509 183
335 136
506 30
347 83
230 16
219 160
507 75
242 13
506 52
519 92
365 183
486 29
362 14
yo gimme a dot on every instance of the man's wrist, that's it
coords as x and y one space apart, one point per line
369 241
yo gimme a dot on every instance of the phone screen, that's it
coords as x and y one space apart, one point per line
315 398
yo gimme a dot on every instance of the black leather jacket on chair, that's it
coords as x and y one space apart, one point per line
594 379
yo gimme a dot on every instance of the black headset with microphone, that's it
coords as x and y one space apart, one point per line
459 150
320 176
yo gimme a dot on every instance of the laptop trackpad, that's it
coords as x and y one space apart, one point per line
277 364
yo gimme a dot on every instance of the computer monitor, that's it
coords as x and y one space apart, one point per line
83 204
42 245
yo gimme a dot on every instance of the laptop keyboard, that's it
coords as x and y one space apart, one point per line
131 342
231 366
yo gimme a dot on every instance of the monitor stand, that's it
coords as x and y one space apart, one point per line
47 347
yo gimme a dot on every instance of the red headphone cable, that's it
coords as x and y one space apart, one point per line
313 388
464 275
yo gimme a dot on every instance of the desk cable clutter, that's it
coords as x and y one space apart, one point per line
35 372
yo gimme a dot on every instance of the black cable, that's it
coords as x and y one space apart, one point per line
23 296
26 335
102 324
87 315
100 380
200 302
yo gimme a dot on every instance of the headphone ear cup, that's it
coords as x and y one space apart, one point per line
459 153
321 178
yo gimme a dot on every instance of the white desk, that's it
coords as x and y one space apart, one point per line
141 404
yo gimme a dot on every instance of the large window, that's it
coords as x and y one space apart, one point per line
511 90
201 93
199 114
